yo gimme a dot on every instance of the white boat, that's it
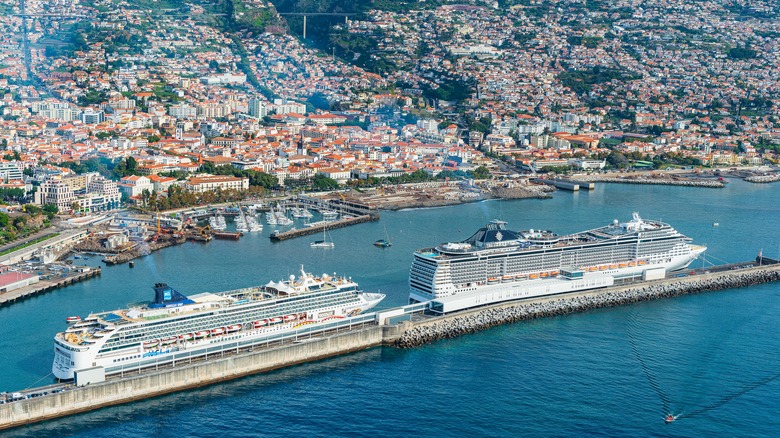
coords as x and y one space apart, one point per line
329 214
175 326
300 212
458 275
217 222
324 243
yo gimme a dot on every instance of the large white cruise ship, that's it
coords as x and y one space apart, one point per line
173 324
499 264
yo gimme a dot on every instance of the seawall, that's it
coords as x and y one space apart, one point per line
479 319
151 384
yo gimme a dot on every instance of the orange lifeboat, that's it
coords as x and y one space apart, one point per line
632 264
592 268
622 265
544 274
533 276
603 268
613 266
554 273
642 262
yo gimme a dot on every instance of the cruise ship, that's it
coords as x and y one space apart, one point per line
175 326
498 264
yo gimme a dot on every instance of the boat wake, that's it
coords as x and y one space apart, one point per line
734 395
648 372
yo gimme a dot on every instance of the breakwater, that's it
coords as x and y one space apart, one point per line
663 182
763 178
284 235
476 320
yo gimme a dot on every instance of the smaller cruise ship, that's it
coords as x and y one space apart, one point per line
175 326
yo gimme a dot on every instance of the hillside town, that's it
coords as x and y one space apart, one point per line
107 103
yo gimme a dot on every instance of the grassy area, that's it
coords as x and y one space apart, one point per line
30 243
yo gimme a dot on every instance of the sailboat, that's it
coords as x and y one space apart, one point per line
325 243
384 243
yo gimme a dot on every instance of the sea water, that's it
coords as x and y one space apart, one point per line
708 358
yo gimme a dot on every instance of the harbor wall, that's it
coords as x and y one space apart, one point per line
474 320
151 384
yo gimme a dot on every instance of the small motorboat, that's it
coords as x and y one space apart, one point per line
669 418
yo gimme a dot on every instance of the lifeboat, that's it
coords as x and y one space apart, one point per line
506 278
73 319
217 331
492 280
632 264
593 268
554 273
233 328
622 265
603 268
201 334
168 341
532 276
544 274
289 317
151 344
331 317
642 262
520 277
613 266
258 324
275 320
186 336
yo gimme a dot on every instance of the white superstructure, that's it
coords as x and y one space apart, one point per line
496 259
155 332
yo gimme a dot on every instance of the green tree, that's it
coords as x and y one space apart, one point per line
322 182
481 172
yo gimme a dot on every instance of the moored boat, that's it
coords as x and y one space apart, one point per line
198 323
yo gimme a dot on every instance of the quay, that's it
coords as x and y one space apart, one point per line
47 285
278 236
560 184
402 327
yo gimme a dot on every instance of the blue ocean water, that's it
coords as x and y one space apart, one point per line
709 358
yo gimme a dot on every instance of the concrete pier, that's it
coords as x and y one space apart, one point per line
561 184
585 185
152 384
46 285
